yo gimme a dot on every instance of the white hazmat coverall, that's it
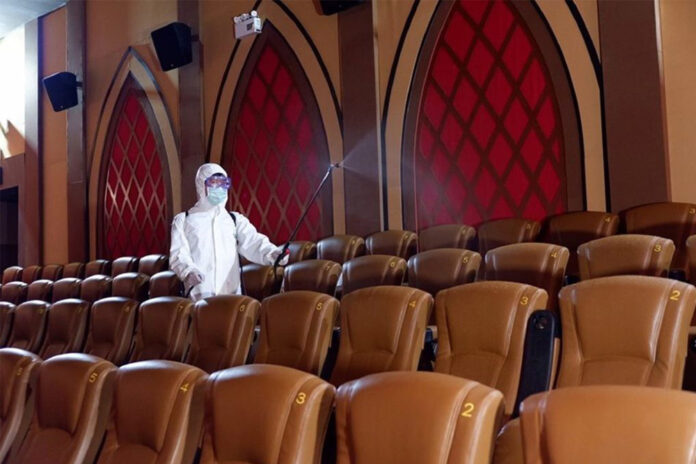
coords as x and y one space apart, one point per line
203 242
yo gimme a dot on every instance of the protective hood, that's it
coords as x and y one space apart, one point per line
203 173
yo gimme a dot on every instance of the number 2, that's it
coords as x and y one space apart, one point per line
468 409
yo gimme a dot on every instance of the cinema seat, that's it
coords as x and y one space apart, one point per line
416 417
41 289
301 251
124 264
29 326
16 368
14 292
261 281
166 283
446 236
382 329
222 331
401 243
110 333
11 274
296 329
316 275
340 248
131 285
95 288
493 234
98 267
162 327
691 258
6 318
152 264
156 416
372 270
438 269
67 287
625 254
482 328
52 272
609 424
265 414
30 274
73 398
74 270
66 328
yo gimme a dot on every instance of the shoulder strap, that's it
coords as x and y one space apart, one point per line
234 218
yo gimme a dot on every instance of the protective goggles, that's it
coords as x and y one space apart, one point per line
218 180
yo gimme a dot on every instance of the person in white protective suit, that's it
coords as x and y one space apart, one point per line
207 240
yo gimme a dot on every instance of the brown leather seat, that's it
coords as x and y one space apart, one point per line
573 229
261 281
296 329
372 270
542 265
6 318
11 274
156 415
52 272
625 254
442 268
124 264
416 417
41 289
131 285
446 236
16 368
675 221
609 424
166 283
95 288
162 327
14 292
493 234
98 267
317 275
301 250
222 331
383 329
29 326
111 322
74 270
67 287
401 243
152 264
30 274
481 332
72 404
340 248
66 329
691 258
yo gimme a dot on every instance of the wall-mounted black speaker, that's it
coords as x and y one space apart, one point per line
329 7
62 90
173 45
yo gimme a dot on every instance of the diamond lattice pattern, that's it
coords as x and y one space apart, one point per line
276 151
488 141
135 218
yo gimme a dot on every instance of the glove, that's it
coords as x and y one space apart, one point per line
193 278
275 253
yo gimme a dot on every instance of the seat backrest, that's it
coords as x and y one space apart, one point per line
493 234
609 424
162 327
52 272
124 264
542 265
41 289
6 318
166 283
301 250
628 330
372 270
424 417
446 236
261 281
382 329
73 398
111 322
98 267
675 221
437 269
75 270
317 275
296 329
67 287
340 248
95 288
573 229
11 274
156 415
131 285
29 326
66 329
401 243
286 425
625 254
691 252
16 368
14 292
481 332
30 274
152 264
222 331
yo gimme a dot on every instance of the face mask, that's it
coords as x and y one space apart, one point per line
217 195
